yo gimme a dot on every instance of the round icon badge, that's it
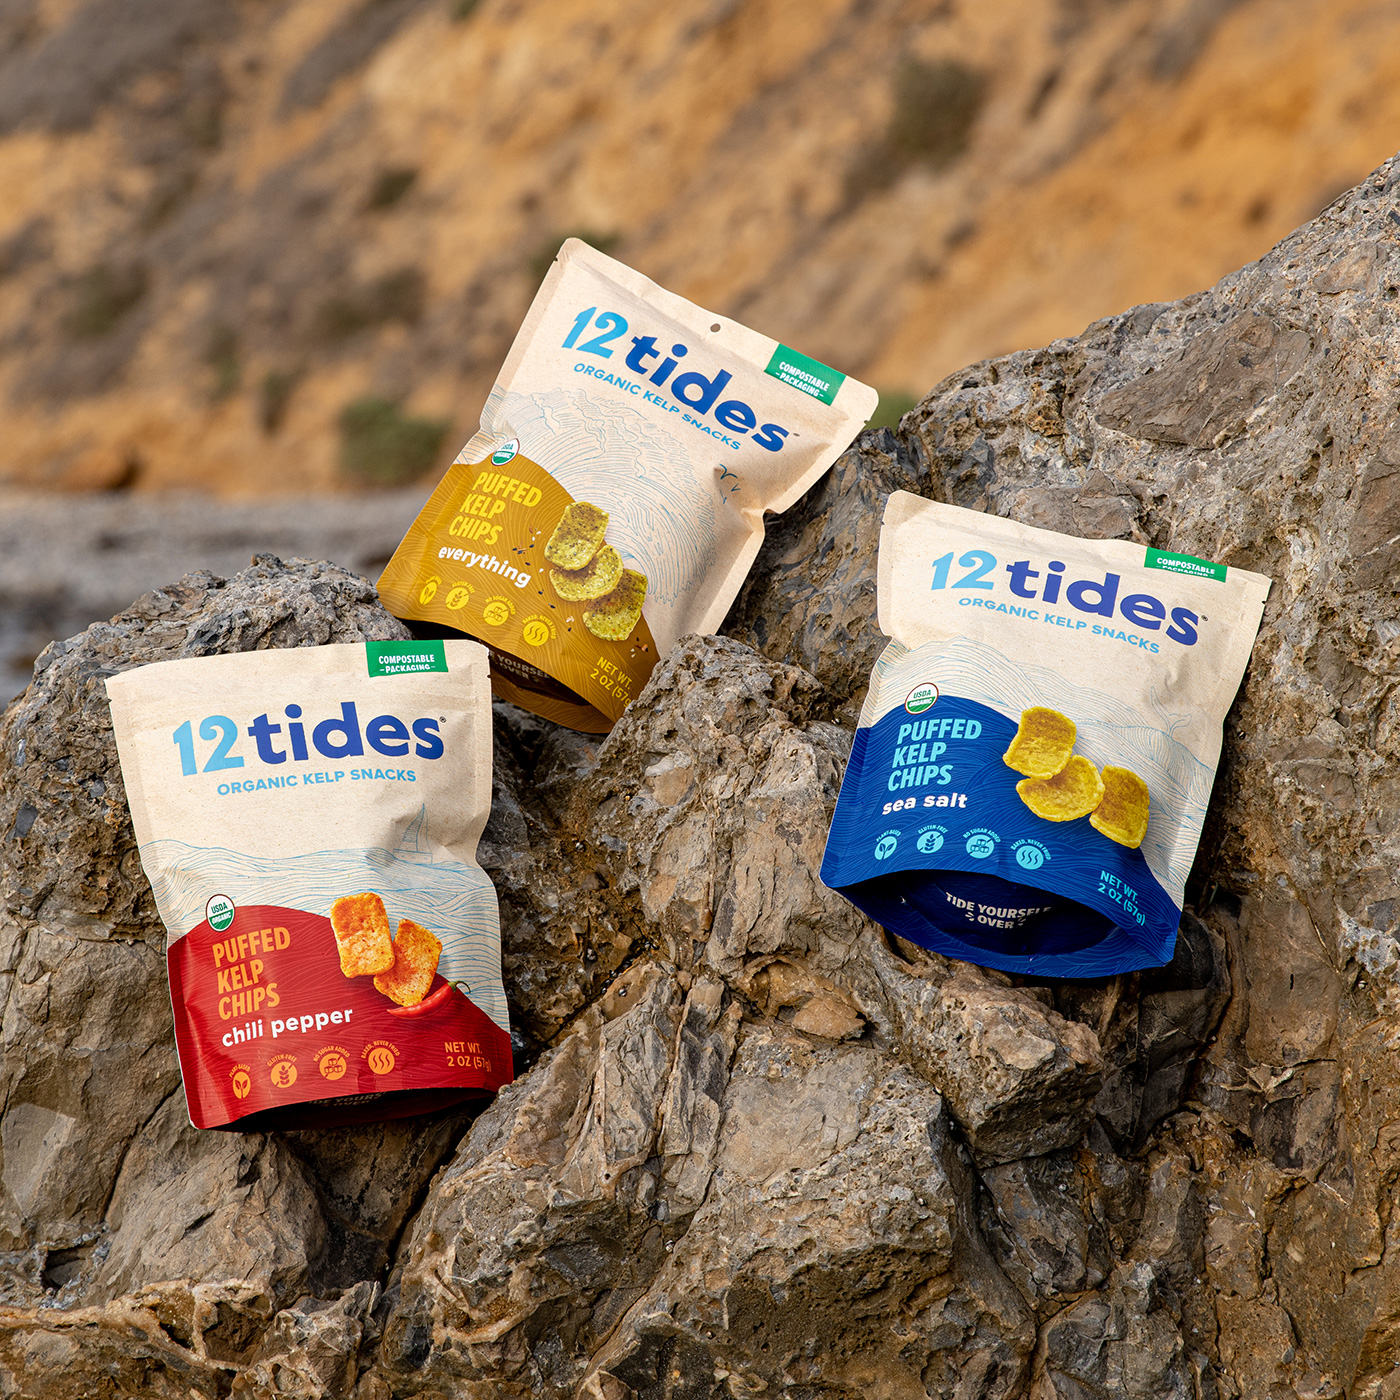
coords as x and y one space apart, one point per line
496 612
332 1065
980 845
458 595
930 842
884 847
219 911
923 697
1030 855
242 1083
505 452
381 1059
428 592
284 1074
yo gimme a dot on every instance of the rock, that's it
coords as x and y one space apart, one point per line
832 1253
1122 1341
759 1145
312 1351
1018 1077
208 1206
1153 1026
711 802
711 799
105 1189
1207 390
812 602
1045 1232
547 1223
101 1353
822 1177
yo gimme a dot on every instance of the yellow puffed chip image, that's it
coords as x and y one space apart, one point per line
1072 793
416 953
578 535
1122 811
1042 743
612 617
599 576
361 927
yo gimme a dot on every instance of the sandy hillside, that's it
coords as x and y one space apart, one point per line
241 239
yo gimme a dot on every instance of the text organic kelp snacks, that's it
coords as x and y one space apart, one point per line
614 498
308 820
1035 754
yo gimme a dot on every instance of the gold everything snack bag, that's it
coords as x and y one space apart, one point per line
613 499
308 820
1036 751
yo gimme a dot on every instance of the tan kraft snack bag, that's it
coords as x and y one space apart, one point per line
1035 755
613 499
308 821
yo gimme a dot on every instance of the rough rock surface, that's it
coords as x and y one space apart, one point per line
759 1146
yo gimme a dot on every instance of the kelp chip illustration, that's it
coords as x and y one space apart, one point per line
1072 793
1123 810
361 927
612 617
599 576
1042 743
577 537
416 953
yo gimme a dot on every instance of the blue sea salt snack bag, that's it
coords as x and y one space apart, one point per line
1036 751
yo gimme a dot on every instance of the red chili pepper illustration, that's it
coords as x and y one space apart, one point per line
437 998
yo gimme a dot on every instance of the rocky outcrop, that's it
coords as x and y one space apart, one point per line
757 1144
104 1186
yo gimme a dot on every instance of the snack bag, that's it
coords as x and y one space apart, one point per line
613 500
308 821
1036 751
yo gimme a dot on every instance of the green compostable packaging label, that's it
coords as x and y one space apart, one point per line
1185 564
404 658
805 373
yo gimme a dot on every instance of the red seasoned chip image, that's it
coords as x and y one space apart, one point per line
416 953
361 927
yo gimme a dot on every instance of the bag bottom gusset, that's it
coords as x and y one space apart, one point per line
997 923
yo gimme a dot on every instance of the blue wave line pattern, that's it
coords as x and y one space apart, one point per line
455 900
1110 730
606 451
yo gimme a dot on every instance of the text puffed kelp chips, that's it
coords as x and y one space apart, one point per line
1035 754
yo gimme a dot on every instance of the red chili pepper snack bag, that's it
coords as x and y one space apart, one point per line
308 820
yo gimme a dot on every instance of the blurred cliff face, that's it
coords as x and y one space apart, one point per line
264 246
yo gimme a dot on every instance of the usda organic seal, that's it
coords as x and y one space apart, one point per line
505 452
219 911
921 698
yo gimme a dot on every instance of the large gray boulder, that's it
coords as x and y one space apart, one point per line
104 1186
758 1145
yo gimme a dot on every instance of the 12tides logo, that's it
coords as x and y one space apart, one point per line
921 698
